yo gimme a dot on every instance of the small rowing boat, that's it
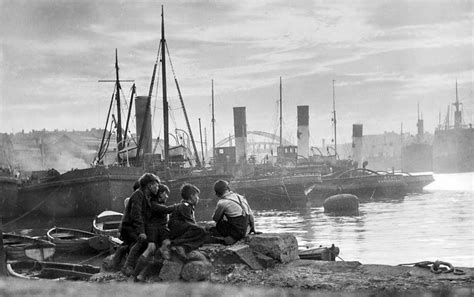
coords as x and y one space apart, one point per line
22 247
107 223
320 253
50 270
71 241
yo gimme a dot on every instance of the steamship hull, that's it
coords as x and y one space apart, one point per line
8 197
88 192
363 186
416 183
81 192
276 192
453 150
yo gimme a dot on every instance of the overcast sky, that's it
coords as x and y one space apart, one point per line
385 56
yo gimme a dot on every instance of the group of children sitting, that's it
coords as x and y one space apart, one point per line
150 229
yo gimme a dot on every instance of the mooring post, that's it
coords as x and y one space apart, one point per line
3 265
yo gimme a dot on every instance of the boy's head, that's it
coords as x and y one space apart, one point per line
149 181
190 193
220 187
163 189
163 192
148 178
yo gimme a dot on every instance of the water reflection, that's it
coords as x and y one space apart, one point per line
434 225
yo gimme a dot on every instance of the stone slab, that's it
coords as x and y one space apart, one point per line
246 255
279 246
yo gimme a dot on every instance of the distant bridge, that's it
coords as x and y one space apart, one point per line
274 140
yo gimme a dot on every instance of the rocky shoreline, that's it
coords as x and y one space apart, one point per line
261 265
298 278
271 261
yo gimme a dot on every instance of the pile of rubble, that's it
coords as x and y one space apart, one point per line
256 252
272 261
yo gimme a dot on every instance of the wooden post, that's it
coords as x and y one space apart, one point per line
3 265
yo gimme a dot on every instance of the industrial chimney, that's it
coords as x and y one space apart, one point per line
240 132
141 116
357 143
303 130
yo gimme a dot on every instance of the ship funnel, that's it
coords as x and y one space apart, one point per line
357 144
303 130
143 116
240 132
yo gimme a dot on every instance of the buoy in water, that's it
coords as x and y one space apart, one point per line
341 203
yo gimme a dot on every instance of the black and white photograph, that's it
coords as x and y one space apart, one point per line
236 148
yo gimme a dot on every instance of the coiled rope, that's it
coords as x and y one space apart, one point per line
436 267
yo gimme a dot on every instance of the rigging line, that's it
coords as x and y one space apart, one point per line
106 144
25 214
172 116
171 63
99 153
157 88
36 206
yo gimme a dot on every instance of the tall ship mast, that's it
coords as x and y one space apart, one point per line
417 155
104 186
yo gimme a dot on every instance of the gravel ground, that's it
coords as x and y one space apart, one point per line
321 278
298 278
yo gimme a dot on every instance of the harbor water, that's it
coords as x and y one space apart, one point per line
435 225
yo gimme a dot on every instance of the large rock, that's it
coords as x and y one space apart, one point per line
281 247
171 270
238 253
196 271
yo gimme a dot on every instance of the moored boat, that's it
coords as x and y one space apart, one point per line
50 270
70 241
107 223
22 247
9 197
320 253
416 182
80 192
275 191
362 182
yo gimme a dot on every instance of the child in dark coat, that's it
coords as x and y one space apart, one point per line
157 231
135 219
185 234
